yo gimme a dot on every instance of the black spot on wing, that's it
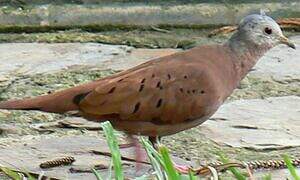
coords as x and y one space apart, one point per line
141 87
112 90
79 97
159 102
136 107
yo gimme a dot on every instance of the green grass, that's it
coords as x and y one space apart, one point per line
97 174
237 174
290 167
168 165
155 159
12 174
114 149
16 175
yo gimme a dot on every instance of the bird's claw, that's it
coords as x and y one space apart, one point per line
182 169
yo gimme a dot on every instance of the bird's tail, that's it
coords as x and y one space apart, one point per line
59 102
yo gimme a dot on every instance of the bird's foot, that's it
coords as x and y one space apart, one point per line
182 168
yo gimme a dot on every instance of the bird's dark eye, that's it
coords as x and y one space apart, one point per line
268 30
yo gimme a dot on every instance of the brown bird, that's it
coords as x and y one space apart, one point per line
168 94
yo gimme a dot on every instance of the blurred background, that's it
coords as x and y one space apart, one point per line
135 23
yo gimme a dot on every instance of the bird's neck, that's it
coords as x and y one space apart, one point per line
247 54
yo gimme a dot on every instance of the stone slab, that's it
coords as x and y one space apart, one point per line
278 174
35 58
260 124
87 151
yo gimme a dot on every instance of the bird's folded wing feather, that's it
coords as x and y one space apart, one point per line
160 92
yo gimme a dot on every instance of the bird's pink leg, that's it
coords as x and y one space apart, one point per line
139 155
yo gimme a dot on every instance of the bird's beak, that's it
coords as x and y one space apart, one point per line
286 41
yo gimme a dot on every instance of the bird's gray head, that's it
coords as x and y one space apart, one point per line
262 30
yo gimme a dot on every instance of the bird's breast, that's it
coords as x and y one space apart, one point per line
152 129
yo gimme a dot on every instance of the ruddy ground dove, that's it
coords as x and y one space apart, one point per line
168 94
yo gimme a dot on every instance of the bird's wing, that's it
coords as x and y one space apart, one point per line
168 91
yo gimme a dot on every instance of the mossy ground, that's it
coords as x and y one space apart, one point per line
150 37
147 38
187 144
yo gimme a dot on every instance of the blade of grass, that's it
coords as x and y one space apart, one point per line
98 176
41 176
191 176
290 166
148 146
114 149
110 170
238 175
168 164
22 174
10 173
154 158
29 176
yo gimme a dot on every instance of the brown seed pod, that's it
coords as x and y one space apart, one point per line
270 164
58 162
